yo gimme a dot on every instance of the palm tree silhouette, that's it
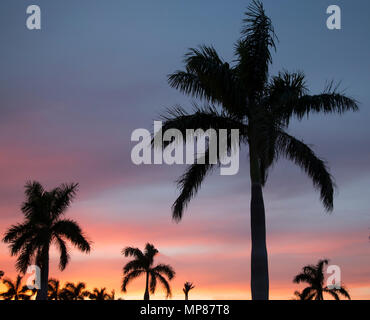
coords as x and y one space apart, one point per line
1 274
314 276
260 108
44 224
143 265
15 290
101 294
187 287
73 291
54 290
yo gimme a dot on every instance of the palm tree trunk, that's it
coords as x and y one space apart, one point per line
259 262
186 296
42 294
146 294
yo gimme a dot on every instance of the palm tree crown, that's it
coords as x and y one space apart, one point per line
242 96
187 287
15 290
143 265
313 275
44 225
73 291
101 294
54 290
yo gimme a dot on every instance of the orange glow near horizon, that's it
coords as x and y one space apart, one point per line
218 270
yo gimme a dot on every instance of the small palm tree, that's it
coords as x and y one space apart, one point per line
242 96
101 294
314 276
143 265
54 290
44 224
187 287
15 290
73 291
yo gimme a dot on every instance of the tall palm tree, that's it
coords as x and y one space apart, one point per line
260 108
44 225
54 290
313 275
15 290
187 287
101 294
143 265
73 291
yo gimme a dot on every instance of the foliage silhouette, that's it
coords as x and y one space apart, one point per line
187 287
302 296
101 294
73 291
44 225
54 290
261 108
313 275
143 265
15 290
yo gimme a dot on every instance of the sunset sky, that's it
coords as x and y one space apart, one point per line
72 93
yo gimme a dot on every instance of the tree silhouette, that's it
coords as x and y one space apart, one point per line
101 294
260 108
313 275
143 265
15 290
1 274
73 291
44 224
54 290
187 287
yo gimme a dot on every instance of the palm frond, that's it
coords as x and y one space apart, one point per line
209 78
133 252
165 285
306 159
15 231
253 49
64 255
189 184
72 231
326 102
129 277
63 198
153 282
165 269
335 292
25 256
133 265
150 252
203 118
303 277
